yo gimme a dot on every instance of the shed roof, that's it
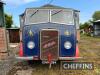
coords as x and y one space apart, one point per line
97 21
12 28
1 2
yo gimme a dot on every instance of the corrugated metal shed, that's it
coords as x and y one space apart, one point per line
1 14
96 26
13 35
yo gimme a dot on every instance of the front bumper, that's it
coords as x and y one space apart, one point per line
37 58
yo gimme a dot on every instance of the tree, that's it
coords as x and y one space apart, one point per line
84 26
96 15
8 21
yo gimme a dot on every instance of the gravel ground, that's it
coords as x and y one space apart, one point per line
6 65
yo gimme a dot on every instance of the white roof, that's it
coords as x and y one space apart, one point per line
97 21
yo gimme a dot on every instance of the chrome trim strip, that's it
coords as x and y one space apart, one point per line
69 58
26 58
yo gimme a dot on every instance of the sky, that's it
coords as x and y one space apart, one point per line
86 7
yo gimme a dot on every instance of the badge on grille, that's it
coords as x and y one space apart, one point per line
30 33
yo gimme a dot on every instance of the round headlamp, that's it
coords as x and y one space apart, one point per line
31 45
67 45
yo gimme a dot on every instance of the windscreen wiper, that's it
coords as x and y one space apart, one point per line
56 12
34 13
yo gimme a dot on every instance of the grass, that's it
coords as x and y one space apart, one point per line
89 49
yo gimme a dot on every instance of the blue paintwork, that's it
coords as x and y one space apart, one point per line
36 28
26 38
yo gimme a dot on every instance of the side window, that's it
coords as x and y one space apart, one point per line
76 17
21 21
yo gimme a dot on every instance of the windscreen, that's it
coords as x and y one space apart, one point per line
37 16
60 16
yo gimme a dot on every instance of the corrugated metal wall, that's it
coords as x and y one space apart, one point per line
1 15
14 35
97 29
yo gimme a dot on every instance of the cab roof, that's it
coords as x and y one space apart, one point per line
49 6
